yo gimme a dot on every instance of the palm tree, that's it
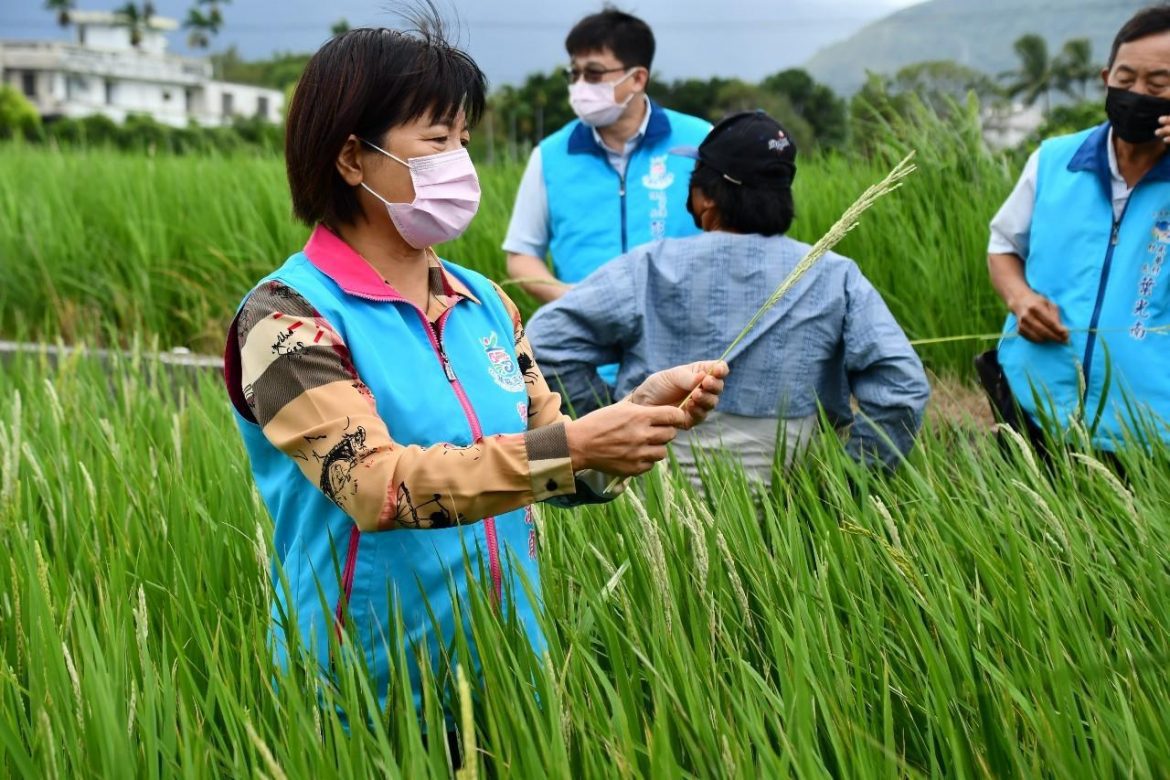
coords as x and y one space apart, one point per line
214 17
1035 77
198 29
62 9
1074 66
136 19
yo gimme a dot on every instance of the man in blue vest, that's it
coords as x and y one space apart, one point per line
604 183
1077 253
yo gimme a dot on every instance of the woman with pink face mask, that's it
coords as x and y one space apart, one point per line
393 415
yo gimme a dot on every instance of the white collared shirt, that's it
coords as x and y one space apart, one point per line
528 229
1012 225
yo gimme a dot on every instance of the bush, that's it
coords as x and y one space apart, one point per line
141 133
18 117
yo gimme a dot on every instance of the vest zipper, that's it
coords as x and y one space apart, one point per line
1091 339
477 435
622 197
489 523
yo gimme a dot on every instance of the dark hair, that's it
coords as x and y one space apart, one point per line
627 36
1153 20
768 211
365 82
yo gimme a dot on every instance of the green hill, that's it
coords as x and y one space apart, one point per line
976 33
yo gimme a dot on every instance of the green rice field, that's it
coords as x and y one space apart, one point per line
974 615
98 245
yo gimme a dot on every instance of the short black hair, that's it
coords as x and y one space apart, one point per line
1153 20
627 36
364 82
767 211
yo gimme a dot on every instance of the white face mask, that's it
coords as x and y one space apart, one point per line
595 104
446 197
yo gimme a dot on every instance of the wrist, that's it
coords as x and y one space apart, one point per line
577 448
1016 298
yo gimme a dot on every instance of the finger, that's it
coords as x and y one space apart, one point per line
653 454
1035 329
662 434
1051 317
712 385
635 468
666 415
1043 319
712 389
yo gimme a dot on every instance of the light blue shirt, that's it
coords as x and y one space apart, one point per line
528 230
681 300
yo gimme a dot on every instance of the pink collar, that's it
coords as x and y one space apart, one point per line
353 273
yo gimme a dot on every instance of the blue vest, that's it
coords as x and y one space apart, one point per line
321 551
1107 276
596 215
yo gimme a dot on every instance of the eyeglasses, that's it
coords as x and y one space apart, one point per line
593 75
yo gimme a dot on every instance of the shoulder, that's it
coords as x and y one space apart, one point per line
686 128
281 288
273 307
487 291
832 268
1068 145
559 139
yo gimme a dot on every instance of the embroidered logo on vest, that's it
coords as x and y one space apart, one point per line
1151 270
660 177
501 366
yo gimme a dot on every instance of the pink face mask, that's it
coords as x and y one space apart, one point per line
595 104
446 197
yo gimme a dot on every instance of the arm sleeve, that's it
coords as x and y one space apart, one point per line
885 376
592 325
544 412
298 382
1012 225
528 230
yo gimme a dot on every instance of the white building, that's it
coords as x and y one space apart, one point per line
102 72
1007 125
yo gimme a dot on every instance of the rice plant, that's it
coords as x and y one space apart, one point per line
971 616
97 245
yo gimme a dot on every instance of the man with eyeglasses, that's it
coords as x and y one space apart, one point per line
604 183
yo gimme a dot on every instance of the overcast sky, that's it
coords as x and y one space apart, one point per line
511 38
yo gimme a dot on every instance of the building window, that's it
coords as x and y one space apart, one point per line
189 101
262 107
109 92
75 87
227 109
28 83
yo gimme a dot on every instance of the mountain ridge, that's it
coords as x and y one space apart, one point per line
975 33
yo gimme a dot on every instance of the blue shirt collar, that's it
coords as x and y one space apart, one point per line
581 140
1093 157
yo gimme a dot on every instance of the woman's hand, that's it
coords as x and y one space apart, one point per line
625 439
702 381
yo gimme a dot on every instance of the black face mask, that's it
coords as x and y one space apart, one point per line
1134 116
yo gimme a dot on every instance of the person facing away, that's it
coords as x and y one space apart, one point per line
604 182
829 338
392 413
1077 254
